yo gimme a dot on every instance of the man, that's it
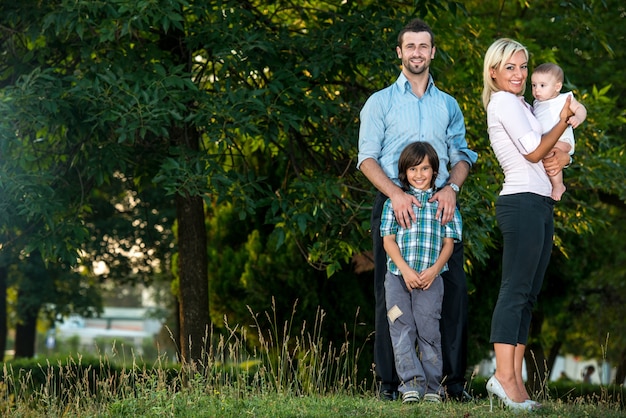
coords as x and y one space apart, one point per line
413 109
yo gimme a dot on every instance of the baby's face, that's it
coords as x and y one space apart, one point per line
544 86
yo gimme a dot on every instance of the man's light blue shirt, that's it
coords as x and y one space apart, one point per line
394 117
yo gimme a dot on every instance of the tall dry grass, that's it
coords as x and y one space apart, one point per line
284 359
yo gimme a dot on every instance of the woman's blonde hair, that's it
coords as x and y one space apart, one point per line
498 53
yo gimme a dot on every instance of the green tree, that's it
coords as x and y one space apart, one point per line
56 160
243 116
552 32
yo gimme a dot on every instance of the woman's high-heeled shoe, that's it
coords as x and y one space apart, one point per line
495 388
533 404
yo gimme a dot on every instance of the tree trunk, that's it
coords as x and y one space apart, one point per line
535 357
26 331
554 352
3 311
193 278
620 375
34 288
535 367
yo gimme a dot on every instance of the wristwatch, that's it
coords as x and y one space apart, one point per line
454 187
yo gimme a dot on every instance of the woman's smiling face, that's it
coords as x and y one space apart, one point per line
511 75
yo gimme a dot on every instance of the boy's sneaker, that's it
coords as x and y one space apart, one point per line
432 397
410 396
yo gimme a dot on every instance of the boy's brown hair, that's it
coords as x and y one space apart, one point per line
412 155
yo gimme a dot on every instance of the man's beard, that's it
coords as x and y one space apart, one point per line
417 70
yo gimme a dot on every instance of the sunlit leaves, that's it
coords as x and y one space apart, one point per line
92 95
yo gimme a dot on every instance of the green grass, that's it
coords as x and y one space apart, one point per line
282 375
196 403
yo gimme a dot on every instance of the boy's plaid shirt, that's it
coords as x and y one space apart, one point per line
421 244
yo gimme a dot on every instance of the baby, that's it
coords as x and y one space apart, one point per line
547 81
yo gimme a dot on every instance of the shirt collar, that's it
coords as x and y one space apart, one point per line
405 86
421 194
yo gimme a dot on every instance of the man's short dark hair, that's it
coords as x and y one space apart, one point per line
416 25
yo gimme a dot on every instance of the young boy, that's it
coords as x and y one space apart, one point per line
416 257
547 81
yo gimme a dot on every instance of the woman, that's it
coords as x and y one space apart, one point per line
524 211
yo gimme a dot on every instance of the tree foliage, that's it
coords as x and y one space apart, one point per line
126 122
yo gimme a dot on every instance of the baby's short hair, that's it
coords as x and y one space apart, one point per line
552 69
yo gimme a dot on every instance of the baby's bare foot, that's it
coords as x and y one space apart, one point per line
557 191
